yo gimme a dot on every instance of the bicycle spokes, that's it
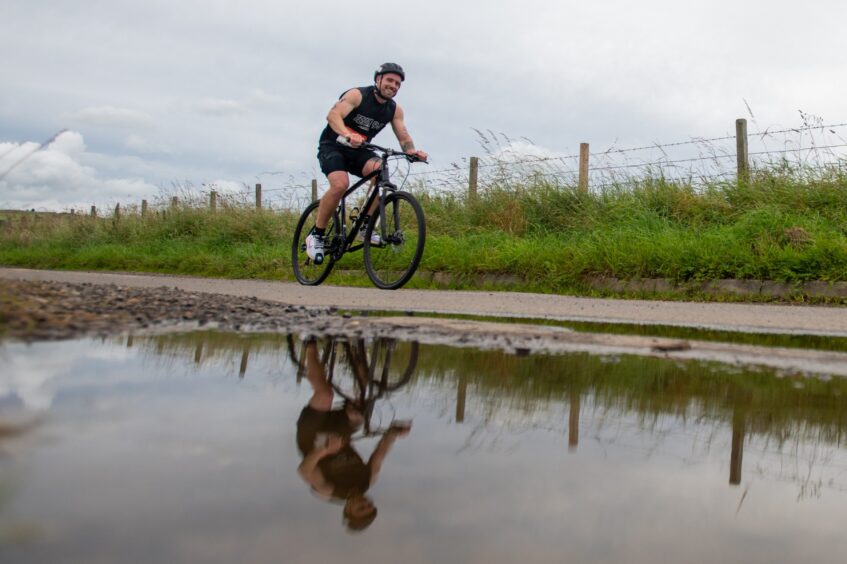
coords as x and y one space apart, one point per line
392 263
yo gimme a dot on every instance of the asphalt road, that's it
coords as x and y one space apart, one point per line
759 318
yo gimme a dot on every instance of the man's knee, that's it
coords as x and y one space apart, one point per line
338 182
371 166
342 182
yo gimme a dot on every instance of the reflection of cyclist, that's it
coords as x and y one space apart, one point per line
331 466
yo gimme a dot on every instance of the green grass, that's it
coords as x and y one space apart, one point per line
784 225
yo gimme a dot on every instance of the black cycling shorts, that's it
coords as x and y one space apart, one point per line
334 158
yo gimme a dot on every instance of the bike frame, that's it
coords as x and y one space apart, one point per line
380 185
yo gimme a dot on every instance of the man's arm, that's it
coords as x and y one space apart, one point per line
398 124
381 451
340 110
309 470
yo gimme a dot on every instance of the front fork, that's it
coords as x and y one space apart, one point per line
385 187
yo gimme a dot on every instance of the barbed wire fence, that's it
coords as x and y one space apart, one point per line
507 163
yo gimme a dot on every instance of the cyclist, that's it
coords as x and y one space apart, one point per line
359 114
330 465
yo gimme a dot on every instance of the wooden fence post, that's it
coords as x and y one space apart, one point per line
583 167
213 201
174 202
143 208
741 150
93 211
258 196
473 178
117 212
314 190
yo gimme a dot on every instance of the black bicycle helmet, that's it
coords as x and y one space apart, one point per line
390 67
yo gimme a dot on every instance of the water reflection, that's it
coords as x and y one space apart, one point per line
331 464
225 445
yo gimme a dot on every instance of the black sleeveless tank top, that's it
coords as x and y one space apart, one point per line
368 119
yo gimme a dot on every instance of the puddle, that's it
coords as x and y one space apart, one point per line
771 339
215 447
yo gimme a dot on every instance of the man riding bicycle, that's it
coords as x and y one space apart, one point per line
358 115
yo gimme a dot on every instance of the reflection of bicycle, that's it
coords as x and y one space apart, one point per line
393 240
361 372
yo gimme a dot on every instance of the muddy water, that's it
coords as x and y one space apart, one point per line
229 448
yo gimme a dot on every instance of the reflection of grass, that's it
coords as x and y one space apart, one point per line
21 533
773 405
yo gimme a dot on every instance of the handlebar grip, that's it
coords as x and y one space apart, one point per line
343 140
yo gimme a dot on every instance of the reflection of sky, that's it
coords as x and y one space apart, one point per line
193 464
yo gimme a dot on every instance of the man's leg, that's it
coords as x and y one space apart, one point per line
369 167
322 394
339 181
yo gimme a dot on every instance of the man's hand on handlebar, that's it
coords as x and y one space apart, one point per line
357 141
352 139
418 155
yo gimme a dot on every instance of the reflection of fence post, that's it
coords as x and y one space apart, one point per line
461 393
198 353
143 208
583 167
314 190
258 196
213 201
243 369
129 342
573 422
737 452
741 150
473 176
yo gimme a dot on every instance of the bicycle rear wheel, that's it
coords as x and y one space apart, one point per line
393 262
306 270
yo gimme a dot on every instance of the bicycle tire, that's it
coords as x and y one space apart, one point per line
393 366
305 270
393 262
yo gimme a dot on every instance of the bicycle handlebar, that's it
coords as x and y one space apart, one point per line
388 152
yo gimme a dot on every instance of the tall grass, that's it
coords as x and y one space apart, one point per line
786 224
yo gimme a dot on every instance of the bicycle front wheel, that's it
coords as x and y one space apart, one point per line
306 270
393 261
393 362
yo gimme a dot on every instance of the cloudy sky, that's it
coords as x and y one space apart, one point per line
157 94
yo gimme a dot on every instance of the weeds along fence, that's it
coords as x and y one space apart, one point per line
811 149
814 148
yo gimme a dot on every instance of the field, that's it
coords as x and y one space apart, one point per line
784 225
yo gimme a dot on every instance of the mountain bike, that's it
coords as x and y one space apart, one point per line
399 222
388 362
360 371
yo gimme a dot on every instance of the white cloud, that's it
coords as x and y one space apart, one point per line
146 146
214 106
108 116
57 177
